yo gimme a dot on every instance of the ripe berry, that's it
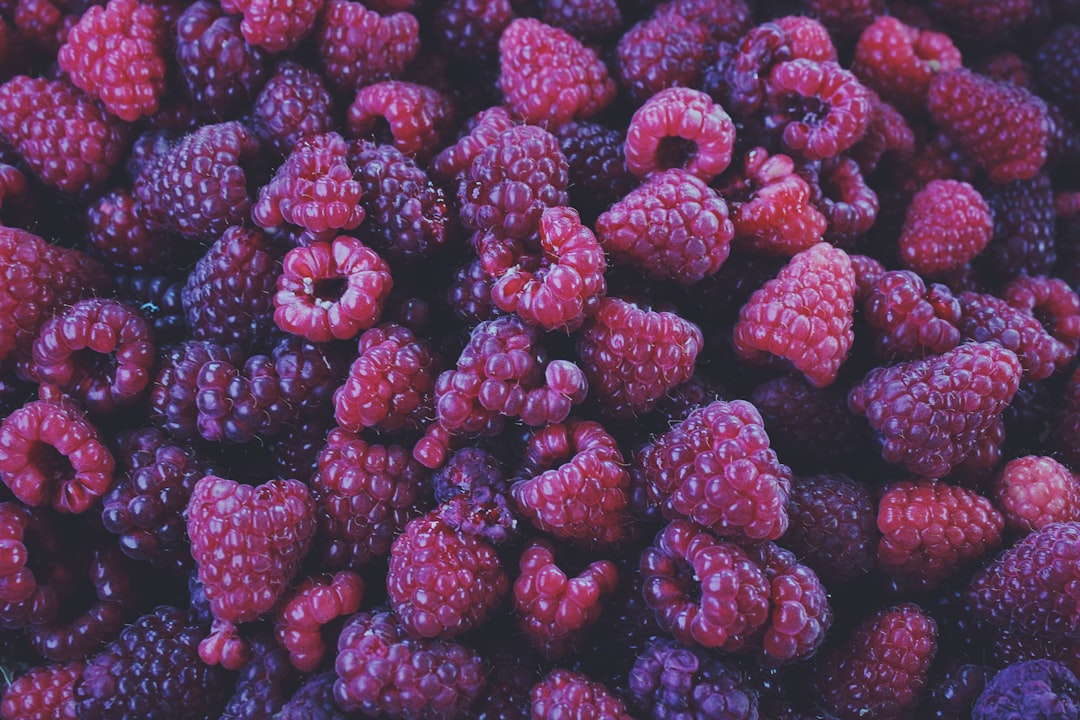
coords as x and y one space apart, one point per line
948 223
679 128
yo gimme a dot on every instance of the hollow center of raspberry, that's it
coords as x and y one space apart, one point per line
54 466
328 290
810 110
381 131
101 366
675 152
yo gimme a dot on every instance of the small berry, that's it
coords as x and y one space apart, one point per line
948 224
417 117
567 694
662 52
1034 491
275 25
316 601
910 319
358 46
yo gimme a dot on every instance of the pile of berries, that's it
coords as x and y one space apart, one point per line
539 359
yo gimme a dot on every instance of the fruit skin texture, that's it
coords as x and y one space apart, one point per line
948 224
43 693
914 406
805 315
669 680
1034 491
910 319
682 114
567 694
1034 689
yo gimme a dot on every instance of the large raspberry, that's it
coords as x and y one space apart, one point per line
548 77
716 468
1034 491
680 128
930 414
276 25
805 315
358 46
948 223
567 694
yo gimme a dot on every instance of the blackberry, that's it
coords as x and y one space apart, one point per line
264 685
597 170
314 700
1024 236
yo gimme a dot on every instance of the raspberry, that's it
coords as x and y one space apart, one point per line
986 318
662 52
887 134
716 468
511 182
669 680
417 117
1023 242
129 678
727 20
331 290
228 297
569 284
1052 301
316 601
881 668
221 71
565 694
819 109
118 233
50 453
584 19
930 529
633 356
804 315
771 206
672 227
912 320
846 18
807 38
898 61
553 611
548 77
390 385
840 191
43 692
948 224
264 682
1030 586
117 54
832 526
1034 491
472 491
481 130
469 294
679 128
868 271
248 543
407 214
468 29
275 25
44 25
915 407
440 582
704 591
1058 66
971 109
1037 688
986 23
574 484
597 169
198 186
69 142
313 701
292 104
314 189
359 47
382 671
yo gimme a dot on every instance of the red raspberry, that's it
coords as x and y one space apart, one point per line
316 601
1002 128
930 529
670 680
99 352
819 109
672 227
331 290
117 54
832 526
313 189
567 694
468 29
276 25
390 385
680 128
481 130
569 284
440 582
293 103
898 61
930 414
383 672
743 492
118 233
248 543
1031 586
198 186
418 117
554 611
704 591
574 483
364 494
804 315
42 693
633 356
881 668
662 52
807 38
1034 491
359 47
1052 301
841 193
588 20
771 206
69 142
977 21
912 320
1036 687
987 318
51 454
948 224
548 77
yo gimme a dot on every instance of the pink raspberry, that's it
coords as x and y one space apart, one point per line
948 224
316 602
680 128
807 38
840 191
912 320
276 25
1052 301
358 46
43 692
567 694
804 315
672 227
293 103
664 51
548 77
418 117
1034 491
569 284
986 318
117 53
480 131
716 468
